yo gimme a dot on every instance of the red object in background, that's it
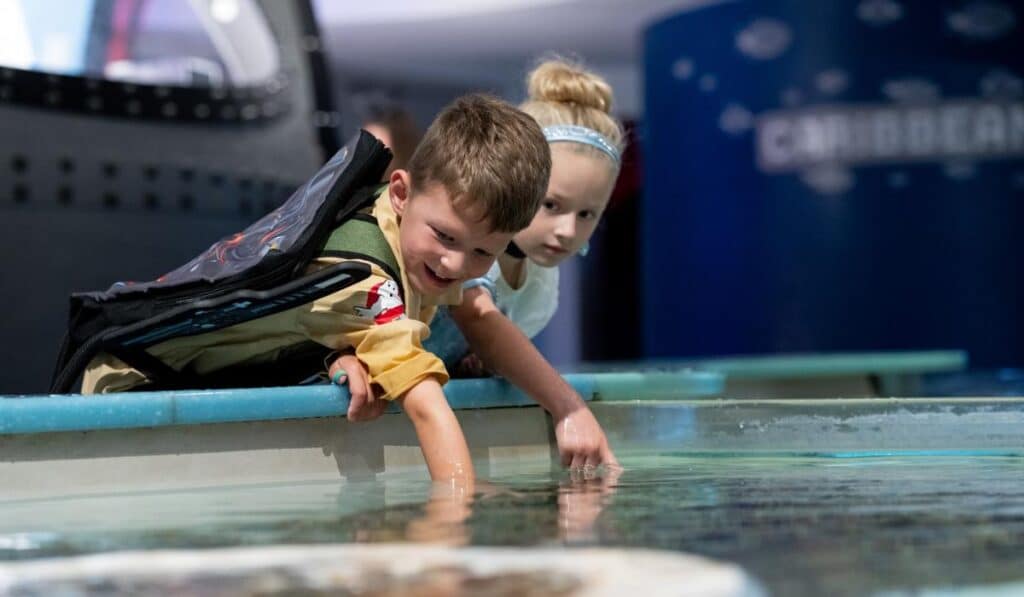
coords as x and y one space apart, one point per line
124 22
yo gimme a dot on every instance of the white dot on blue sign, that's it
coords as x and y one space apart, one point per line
879 13
982 19
764 39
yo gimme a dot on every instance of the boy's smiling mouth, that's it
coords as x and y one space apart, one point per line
436 279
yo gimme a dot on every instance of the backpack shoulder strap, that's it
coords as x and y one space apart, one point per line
360 237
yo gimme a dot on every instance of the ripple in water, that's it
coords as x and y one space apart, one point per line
803 524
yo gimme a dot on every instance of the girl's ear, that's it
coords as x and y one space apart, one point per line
399 190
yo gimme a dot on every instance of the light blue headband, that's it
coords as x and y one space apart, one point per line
584 135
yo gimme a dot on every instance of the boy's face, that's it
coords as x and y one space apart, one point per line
578 192
441 245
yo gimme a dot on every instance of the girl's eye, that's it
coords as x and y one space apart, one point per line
587 215
550 205
441 236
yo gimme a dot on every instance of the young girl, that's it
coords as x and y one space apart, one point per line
519 295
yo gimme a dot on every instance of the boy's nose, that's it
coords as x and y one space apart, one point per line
452 262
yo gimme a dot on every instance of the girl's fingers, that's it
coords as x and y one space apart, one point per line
608 458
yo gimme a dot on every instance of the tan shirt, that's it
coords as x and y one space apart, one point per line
370 317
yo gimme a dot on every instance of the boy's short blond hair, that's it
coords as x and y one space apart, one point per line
490 157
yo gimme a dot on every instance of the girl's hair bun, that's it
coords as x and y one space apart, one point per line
562 82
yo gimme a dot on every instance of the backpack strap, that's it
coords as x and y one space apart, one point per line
361 238
126 320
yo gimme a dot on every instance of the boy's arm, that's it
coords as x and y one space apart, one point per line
440 435
504 348
418 392
388 344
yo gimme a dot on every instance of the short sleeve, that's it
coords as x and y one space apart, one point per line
370 318
484 283
533 304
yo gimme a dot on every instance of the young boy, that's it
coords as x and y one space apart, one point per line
474 181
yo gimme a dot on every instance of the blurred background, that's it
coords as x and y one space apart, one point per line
802 177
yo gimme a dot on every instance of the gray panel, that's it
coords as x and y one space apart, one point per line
88 200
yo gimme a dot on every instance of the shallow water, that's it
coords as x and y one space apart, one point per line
804 524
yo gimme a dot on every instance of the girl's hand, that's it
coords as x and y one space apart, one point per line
470 367
581 500
582 443
348 370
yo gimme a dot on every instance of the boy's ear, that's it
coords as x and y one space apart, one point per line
399 190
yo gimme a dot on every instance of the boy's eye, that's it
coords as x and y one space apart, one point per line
482 253
441 236
587 215
550 205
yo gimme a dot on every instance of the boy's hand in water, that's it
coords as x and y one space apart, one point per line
348 370
581 441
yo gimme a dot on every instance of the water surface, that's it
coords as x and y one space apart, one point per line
804 524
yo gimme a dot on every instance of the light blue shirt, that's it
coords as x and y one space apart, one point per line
530 306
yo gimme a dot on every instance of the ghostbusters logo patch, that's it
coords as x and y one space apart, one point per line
383 303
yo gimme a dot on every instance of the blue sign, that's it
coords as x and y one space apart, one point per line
828 176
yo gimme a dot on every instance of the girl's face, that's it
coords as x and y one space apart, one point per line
578 192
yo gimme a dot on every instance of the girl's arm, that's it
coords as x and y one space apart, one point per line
504 348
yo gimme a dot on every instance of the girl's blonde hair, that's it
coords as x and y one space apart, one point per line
562 92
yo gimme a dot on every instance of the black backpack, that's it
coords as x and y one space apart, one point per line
254 273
